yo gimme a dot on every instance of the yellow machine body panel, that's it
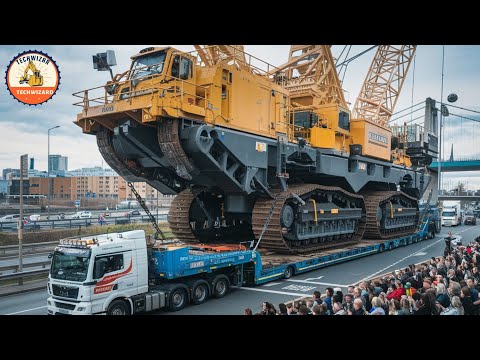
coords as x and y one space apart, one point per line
375 139
322 137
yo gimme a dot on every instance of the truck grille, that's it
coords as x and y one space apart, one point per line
65 306
65 291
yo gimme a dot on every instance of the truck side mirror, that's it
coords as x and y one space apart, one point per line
99 269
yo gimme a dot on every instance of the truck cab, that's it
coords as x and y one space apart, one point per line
88 274
451 216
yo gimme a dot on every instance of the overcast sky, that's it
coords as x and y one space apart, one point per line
24 128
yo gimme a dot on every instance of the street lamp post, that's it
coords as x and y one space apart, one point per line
443 112
48 171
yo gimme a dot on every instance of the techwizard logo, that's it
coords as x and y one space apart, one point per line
102 286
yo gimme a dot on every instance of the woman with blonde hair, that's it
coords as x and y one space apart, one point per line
442 297
455 307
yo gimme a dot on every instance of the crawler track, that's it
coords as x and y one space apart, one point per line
273 238
374 200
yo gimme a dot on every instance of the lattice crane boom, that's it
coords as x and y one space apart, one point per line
383 83
310 72
213 54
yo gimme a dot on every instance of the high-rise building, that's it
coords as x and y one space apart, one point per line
58 163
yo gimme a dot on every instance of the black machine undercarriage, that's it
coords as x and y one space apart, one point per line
230 184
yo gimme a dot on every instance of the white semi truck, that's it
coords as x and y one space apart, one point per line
451 214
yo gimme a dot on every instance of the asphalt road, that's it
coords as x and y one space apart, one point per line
340 275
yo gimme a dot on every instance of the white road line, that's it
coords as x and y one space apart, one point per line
317 283
272 284
406 257
19 312
270 291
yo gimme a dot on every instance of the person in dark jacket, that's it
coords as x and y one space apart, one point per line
426 308
466 298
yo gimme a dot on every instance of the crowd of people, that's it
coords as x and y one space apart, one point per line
447 285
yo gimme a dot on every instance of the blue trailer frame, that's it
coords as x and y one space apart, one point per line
177 262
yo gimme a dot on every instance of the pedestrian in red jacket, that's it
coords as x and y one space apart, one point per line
397 293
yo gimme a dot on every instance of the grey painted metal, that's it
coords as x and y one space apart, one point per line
15 267
24 274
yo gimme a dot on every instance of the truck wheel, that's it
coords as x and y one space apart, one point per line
381 248
178 299
199 293
221 284
118 307
288 273
409 240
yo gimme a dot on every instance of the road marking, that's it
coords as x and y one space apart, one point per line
317 278
420 253
299 288
271 284
406 257
270 291
317 283
19 312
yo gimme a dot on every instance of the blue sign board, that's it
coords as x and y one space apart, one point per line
77 202
94 195
87 194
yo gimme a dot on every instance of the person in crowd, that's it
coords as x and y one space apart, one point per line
247 311
348 302
282 309
455 308
337 295
350 289
358 308
357 294
467 303
316 309
406 309
338 309
328 299
442 297
310 304
324 309
303 310
291 309
471 285
394 308
377 307
426 307
317 297
427 284
397 292
409 290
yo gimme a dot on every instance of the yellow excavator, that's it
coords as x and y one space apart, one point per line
33 80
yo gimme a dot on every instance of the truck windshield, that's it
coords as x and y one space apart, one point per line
70 264
448 213
148 65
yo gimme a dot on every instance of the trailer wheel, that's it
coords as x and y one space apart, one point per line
178 299
381 248
288 272
199 292
221 284
409 240
415 239
118 307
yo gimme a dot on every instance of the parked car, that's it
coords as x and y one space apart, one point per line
34 217
82 215
132 213
470 219
10 218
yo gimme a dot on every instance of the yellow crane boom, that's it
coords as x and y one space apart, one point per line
383 83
